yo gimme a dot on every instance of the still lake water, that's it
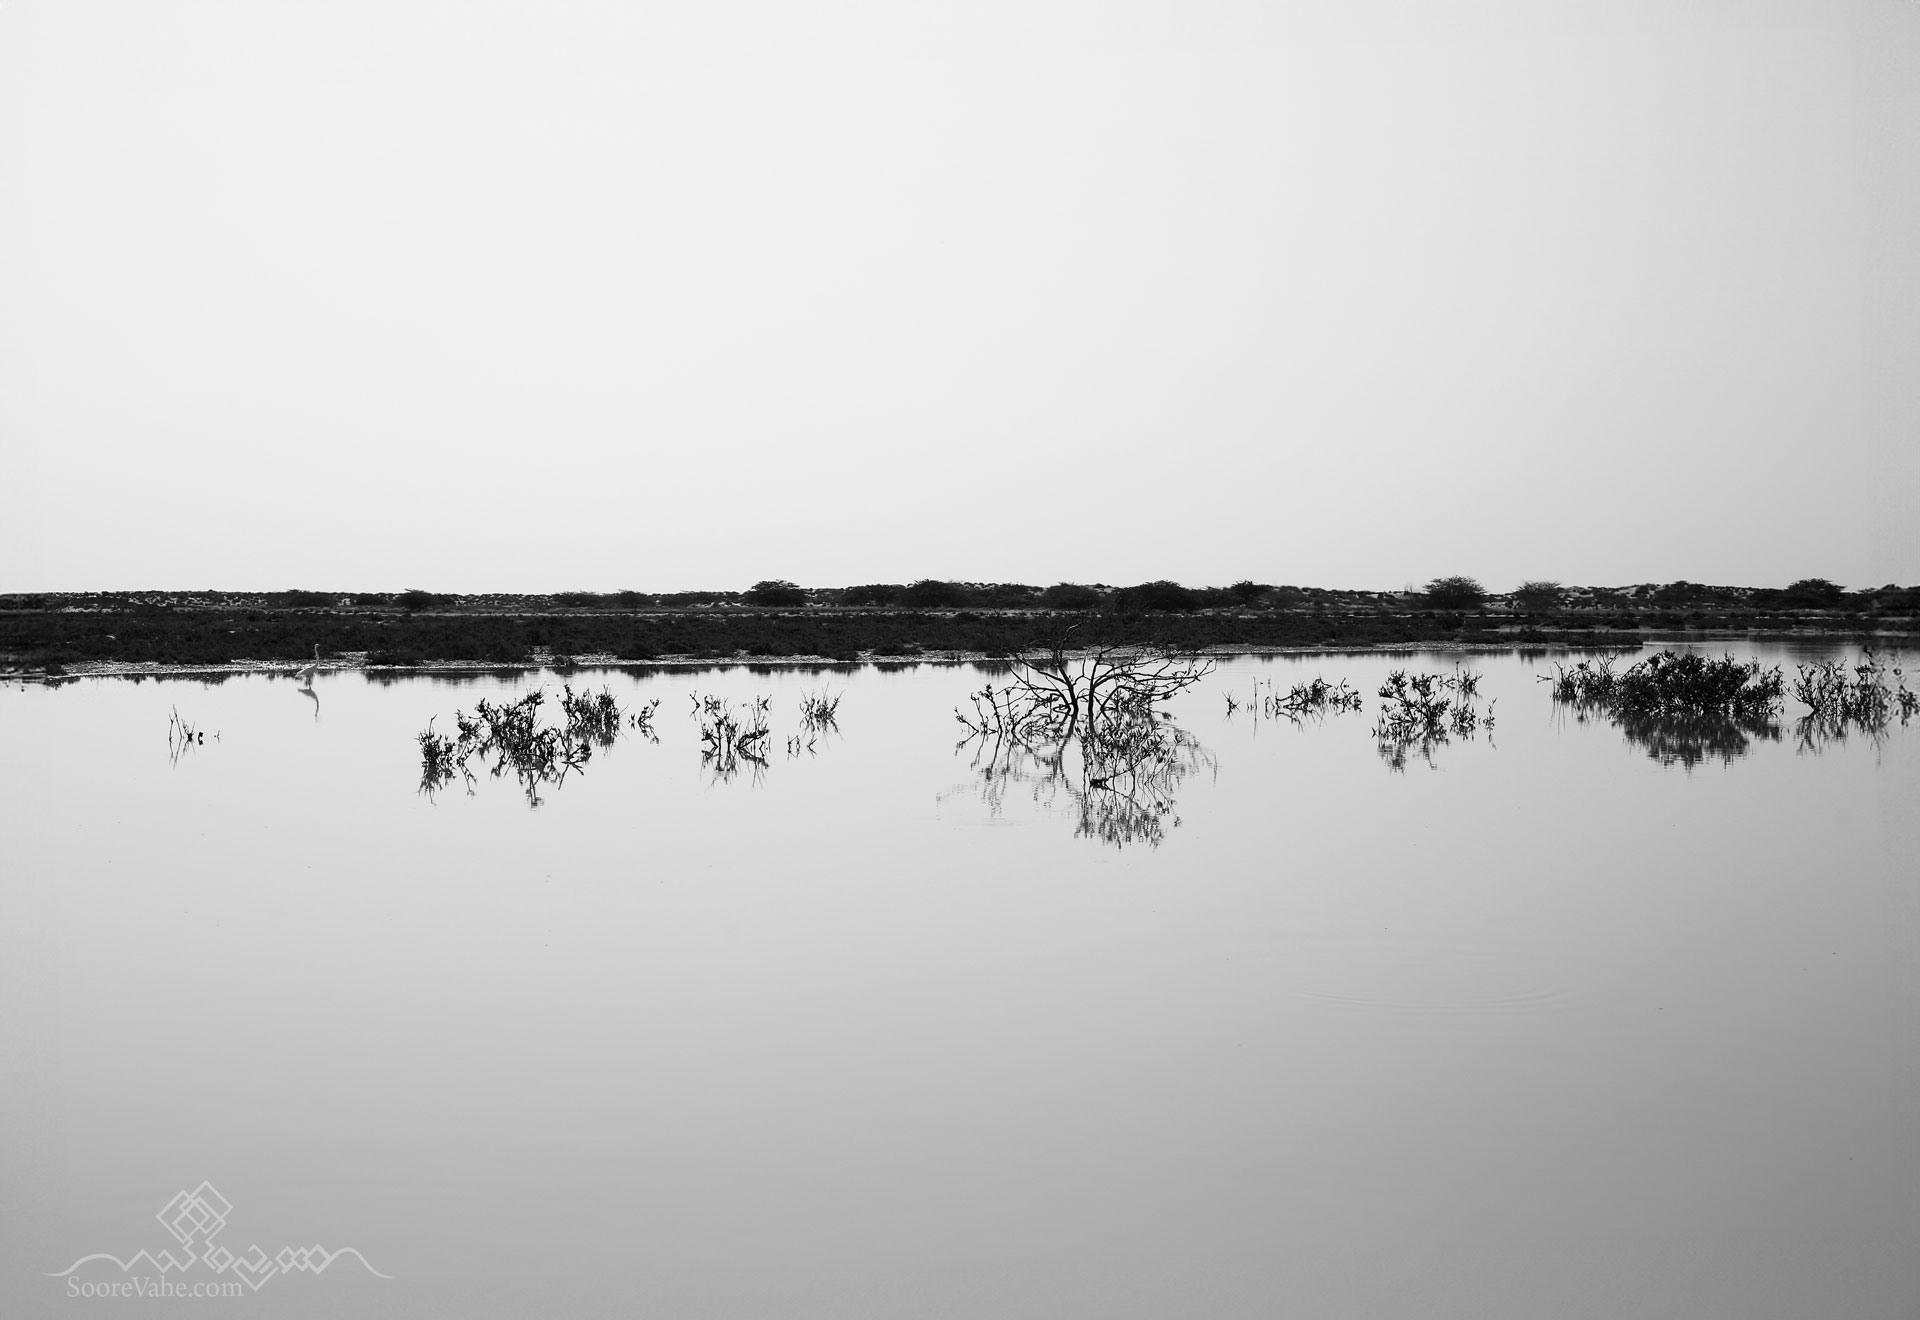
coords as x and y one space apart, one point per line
1549 1027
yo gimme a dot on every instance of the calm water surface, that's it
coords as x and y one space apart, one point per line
1548 1026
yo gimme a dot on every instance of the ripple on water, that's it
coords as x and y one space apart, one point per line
1431 981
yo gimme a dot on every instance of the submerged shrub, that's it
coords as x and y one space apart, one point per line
1673 684
1682 709
512 735
1315 698
1130 756
1591 682
1862 694
1422 711
819 711
1670 683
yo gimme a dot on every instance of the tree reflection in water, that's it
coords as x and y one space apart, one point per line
1687 709
1689 739
1128 804
1084 732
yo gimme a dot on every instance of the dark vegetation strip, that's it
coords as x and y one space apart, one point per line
50 630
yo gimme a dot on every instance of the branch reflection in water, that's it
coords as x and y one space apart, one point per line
1084 730
1300 702
1866 699
819 724
182 736
1686 740
512 737
731 742
1684 709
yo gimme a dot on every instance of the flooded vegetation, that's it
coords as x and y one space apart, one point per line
1088 733
783 926
1316 698
730 740
509 739
1681 709
182 735
1089 729
1671 684
1422 712
1871 693
1130 800
1686 709
819 721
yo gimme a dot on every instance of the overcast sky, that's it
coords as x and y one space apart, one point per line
472 296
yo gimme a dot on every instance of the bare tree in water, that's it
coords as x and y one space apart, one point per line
1085 729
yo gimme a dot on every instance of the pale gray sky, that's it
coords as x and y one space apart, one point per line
532 296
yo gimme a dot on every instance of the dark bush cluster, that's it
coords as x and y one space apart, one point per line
933 594
1160 595
1071 596
306 600
774 591
1813 594
1539 596
1455 593
1674 684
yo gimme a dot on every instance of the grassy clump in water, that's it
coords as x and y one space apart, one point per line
1424 711
1316 698
731 740
1840 699
513 738
1861 694
819 711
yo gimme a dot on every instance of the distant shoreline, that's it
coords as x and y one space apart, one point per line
585 664
54 635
